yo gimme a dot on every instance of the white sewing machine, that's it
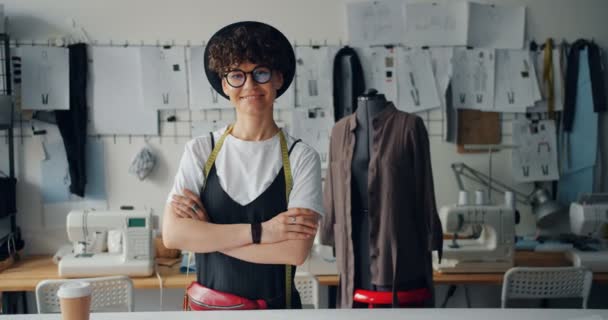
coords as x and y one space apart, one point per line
131 249
589 217
491 251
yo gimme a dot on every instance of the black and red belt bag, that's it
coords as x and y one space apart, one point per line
201 298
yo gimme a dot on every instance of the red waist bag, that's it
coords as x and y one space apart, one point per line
404 298
200 298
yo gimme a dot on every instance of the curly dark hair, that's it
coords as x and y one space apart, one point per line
253 43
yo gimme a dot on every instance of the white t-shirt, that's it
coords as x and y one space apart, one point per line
247 168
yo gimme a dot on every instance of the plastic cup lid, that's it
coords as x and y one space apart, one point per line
74 289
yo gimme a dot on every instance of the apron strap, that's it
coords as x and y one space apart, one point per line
288 186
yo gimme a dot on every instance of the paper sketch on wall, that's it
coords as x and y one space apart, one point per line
473 85
117 103
535 158
202 94
417 86
375 22
436 24
164 77
441 60
45 78
558 82
494 26
380 70
313 126
314 66
516 82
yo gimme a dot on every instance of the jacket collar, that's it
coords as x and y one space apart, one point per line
380 118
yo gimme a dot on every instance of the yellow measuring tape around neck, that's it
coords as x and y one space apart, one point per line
288 187
215 151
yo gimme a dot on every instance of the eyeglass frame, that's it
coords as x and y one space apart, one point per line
225 75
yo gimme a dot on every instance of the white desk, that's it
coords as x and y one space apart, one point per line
378 314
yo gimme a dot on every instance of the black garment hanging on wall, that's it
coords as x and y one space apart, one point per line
344 105
595 73
72 123
8 196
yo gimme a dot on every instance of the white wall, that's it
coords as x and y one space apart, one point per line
191 21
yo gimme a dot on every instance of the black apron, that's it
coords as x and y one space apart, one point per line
218 271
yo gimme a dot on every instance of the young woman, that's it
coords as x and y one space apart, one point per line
247 198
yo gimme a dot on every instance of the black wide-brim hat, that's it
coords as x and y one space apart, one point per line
288 74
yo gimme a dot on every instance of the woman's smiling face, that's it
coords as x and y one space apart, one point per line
252 97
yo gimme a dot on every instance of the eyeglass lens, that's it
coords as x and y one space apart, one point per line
237 78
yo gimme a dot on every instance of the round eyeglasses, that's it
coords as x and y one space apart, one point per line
236 78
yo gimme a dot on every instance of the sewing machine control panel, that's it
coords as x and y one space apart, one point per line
139 238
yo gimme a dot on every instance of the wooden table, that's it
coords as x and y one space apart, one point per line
522 259
25 274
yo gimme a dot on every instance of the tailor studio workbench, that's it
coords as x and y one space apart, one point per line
25 274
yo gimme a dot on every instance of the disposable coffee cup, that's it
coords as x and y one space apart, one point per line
75 300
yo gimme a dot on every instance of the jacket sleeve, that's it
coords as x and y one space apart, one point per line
423 173
326 235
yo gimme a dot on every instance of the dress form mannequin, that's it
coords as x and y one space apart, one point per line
369 105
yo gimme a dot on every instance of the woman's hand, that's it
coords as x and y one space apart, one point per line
293 224
189 206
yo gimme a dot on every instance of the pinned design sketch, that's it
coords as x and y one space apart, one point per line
473 85
44 74
380 70
535 158
313 76
417 87
313 126
379 22
494 26
436 24
45 77
117 89
516 82
541 90
164 77
202 94
441 60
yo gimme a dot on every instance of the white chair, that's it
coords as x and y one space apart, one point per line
113 293
311 293
539 283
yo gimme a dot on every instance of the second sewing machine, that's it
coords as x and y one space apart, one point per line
491 247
